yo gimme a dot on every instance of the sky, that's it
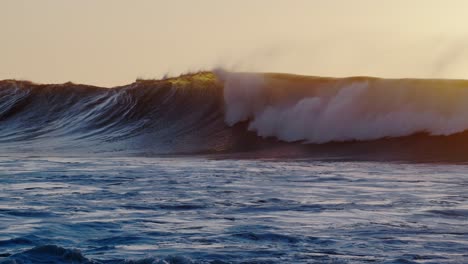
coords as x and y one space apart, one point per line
113 42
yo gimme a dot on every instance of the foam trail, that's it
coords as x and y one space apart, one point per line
319 110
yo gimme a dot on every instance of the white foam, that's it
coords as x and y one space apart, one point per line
358 109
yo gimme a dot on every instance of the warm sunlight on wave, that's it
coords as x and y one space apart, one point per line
319 110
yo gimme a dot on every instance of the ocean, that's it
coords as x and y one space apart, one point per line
203 210
235 168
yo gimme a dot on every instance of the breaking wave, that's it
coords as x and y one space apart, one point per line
225 112
320 110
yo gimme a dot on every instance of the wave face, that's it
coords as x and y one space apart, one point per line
169 116
230 112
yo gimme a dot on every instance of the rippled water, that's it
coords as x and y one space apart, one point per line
184 210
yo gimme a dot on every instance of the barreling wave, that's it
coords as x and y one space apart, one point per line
224 112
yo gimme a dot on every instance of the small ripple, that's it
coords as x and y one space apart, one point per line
116 240
182 207
271 237
27 213
450 212
15 241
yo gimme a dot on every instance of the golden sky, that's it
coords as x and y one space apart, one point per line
112 42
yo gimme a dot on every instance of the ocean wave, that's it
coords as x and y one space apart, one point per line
228 112
59 255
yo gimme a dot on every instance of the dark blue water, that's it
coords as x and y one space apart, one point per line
198 210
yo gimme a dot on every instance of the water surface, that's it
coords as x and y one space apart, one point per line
200 210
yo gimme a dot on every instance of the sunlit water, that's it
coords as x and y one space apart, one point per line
184 210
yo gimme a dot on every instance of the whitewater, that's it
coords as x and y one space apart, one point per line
235 167
320 110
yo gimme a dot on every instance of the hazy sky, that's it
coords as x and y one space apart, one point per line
112 42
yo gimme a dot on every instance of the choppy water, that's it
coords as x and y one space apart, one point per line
184 210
